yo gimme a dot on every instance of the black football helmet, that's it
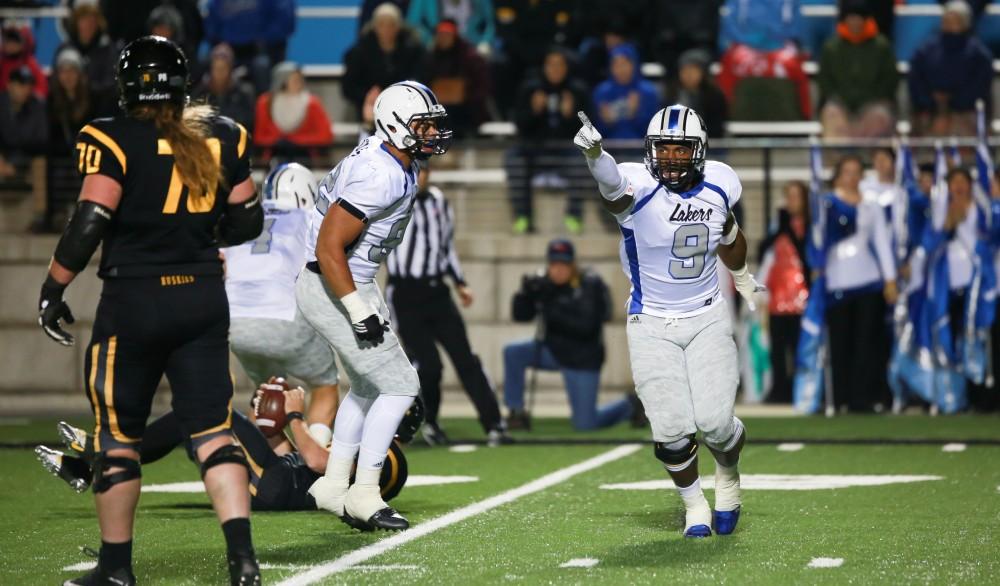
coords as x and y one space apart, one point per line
412 420
152 70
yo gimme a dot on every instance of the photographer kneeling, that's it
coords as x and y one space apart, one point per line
572 306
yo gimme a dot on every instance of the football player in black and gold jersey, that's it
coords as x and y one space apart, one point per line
165 185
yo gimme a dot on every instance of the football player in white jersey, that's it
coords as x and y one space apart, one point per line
267 332
675 216
361 213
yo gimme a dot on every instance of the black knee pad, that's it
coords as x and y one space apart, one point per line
103 480
676 457
228 454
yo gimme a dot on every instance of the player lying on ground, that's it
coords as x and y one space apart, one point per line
361 214
280 472
675 215
267 332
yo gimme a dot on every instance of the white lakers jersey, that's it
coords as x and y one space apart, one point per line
260 274
669 240
374 186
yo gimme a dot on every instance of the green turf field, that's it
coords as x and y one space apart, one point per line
942 530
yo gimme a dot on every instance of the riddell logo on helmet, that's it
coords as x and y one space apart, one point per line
153 97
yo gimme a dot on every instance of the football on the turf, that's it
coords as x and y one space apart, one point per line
270 410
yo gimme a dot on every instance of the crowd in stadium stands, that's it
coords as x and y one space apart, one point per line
536 64
531 63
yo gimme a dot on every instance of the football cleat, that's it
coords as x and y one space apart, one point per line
243 570
725 521
434 435
498 436
73 470
698 531
364 502
73 438
99 577
698 521
388 519
355 523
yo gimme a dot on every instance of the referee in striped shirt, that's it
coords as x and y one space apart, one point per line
425 314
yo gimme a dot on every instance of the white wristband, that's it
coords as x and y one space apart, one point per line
729 237
357 308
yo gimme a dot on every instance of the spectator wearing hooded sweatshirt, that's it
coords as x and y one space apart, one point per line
290 120
459 77
857 77
474 19
948 74
219 87
386 52
695 89
18 50
626 101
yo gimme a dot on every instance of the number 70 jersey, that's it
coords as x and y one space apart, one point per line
669 240
374 187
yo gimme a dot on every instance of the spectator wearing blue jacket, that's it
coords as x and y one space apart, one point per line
625 101
948 74
257 30
474 18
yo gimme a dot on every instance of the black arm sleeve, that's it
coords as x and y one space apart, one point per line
82 236
241 222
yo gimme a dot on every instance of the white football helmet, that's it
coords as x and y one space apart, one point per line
290 186
402 103
677 124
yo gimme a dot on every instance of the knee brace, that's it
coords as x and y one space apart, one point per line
229 454
678 455
103 480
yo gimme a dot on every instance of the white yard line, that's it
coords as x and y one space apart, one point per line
790 447
826 563
953 448
580 563
462 448
366 553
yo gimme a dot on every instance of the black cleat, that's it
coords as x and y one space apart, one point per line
98 577
71 469
243 570
355 523
389 520
434 435
498 436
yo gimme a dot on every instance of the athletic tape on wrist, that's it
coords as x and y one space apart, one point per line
357 308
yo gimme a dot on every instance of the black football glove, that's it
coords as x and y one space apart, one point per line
371 329
51 309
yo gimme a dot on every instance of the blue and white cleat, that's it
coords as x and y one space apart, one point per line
698 531
725 521
698 521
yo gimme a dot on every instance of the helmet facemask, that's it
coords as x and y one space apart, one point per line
416 141
677 174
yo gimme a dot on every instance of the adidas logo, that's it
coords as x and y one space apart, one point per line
634 319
